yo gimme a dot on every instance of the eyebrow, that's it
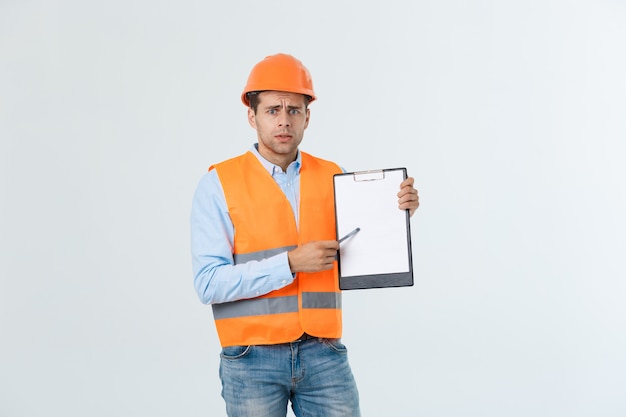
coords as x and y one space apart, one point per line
278 106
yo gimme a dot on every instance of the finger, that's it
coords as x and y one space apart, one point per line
409 192
329 244
409 200
407 182
331 252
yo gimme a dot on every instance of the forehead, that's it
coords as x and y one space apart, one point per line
278 97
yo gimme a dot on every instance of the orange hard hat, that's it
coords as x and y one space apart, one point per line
280 72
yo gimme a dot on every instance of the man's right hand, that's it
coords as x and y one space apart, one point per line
313 256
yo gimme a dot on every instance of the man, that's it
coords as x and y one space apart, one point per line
263 246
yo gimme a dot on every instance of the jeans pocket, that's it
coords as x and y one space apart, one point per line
235 352
335 345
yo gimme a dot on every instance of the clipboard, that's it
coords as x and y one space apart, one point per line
379 254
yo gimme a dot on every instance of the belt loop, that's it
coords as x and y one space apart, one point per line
305 336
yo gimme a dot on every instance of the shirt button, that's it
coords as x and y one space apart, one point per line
284 281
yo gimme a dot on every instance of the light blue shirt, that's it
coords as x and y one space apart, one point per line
216 278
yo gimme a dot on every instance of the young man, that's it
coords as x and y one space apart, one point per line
263 245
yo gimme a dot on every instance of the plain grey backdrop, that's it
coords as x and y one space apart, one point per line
509 114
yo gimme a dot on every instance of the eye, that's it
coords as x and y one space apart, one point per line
272 111
294 111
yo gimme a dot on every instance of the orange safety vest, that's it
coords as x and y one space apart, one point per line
265 226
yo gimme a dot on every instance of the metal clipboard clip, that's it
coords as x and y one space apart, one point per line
373 175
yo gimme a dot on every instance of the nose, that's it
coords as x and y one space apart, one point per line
283 120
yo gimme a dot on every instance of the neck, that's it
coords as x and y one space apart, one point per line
282 161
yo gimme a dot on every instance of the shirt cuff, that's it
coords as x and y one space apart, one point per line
283 271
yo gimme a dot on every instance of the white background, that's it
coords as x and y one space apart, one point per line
509 114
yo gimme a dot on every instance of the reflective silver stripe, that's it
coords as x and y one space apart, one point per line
241 258
255 307
321 300
275 305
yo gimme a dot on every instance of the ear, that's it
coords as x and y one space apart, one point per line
251 118
308 116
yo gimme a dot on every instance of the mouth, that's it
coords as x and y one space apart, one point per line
283 137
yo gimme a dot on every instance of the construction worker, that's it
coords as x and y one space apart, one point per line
263 247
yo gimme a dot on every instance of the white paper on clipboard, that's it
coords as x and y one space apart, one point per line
379 255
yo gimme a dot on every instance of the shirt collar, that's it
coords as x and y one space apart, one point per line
271 168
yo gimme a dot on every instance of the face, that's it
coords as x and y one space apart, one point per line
280 121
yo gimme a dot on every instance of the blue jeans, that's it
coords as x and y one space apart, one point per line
314 374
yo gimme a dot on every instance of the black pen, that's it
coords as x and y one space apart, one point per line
352 233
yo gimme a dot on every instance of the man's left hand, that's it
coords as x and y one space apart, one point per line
408 199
